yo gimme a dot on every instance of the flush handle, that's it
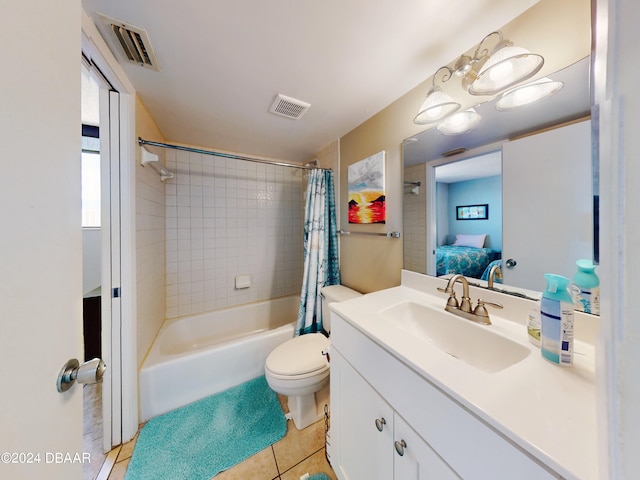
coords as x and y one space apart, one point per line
87 373
380 423
510 263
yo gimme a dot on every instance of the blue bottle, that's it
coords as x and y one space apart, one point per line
556 318
586 289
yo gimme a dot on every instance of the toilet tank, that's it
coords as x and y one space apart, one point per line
334 293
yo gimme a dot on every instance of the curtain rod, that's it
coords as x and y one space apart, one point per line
141 142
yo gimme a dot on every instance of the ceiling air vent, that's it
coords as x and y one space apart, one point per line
289 107
453 152
133 41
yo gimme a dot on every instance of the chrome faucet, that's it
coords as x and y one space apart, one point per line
494 273
464 309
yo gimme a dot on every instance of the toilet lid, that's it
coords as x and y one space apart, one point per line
299 355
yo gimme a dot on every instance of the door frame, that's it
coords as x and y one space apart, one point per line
431 198
124 341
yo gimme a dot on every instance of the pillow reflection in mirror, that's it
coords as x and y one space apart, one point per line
476 241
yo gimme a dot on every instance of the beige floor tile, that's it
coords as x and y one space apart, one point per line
261 466
298 444
127 449
316 463
119 470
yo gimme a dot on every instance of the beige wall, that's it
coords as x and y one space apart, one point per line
150 238
369 263
329 157
373 263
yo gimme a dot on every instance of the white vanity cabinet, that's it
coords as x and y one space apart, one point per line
443 439
374 441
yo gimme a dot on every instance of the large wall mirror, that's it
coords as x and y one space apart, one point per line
520 187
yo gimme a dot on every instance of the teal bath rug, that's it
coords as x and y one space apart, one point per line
319 476
199 440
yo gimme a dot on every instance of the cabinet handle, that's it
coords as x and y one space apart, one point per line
380 423
400 446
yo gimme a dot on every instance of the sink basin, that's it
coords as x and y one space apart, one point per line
463 339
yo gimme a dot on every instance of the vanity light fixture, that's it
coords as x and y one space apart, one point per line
438 105
460 122
527 94
482 74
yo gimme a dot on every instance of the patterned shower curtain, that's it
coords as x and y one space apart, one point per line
320 249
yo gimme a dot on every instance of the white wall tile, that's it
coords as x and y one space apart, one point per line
229 218
152 242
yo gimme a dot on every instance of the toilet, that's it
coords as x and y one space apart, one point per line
297 368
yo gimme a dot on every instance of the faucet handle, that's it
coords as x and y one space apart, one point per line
481 310
452 301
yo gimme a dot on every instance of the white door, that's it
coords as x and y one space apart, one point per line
539 234
40 240
111 304
102 256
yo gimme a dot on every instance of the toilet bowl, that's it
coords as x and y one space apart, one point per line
298 369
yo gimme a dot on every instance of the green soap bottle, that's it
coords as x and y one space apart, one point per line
556 321
586 288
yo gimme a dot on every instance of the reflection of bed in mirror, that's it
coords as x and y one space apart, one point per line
466 255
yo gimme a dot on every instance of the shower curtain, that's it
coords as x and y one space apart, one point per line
320 250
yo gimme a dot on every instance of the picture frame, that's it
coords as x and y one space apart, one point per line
366 190
472 212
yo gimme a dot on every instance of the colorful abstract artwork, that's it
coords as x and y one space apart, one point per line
367 202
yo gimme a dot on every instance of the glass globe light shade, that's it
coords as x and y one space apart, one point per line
527 94
507 66
437 106
461 122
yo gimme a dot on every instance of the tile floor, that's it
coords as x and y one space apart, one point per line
299 452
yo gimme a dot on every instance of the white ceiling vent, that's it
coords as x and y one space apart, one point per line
289 107
133 41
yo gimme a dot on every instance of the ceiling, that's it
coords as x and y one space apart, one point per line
485 165
223 62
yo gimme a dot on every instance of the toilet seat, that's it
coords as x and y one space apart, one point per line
298 358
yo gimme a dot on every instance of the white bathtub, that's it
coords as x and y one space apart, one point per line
199 355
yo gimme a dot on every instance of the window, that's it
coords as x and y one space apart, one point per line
90 172
90 168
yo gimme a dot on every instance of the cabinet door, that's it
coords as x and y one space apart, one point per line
414 459
365 445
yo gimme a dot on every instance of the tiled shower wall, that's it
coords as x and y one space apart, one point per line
150 239
226 218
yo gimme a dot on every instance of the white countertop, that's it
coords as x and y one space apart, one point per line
548 410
